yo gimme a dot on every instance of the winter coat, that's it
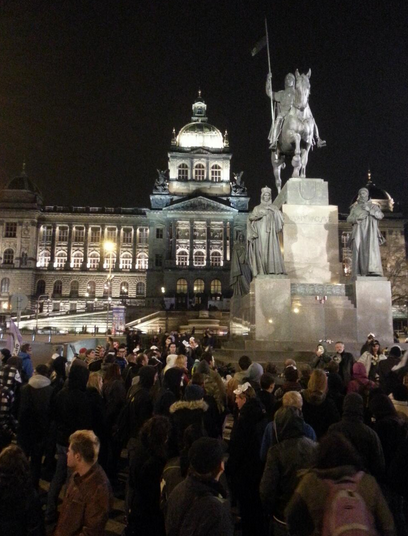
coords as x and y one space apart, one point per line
27 365
361 436
360 383
87 503
371 364
286 387
285 459
345 360
114 394
35 410
198 507
305 511
244 467
269 438
213 384
319 411
22 516
182 415
268 401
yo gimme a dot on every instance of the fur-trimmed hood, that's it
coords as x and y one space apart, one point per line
194 404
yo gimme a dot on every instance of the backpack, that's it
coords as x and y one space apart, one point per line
346 513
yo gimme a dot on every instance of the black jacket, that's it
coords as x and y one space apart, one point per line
35 410
319 411
198 507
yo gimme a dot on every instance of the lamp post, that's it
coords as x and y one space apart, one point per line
41 297
109 248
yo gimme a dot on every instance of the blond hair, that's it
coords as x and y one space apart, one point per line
86 444
95 380
293 399
317 381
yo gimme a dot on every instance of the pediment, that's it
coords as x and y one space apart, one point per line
200 203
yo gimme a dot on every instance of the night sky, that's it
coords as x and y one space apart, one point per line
90 91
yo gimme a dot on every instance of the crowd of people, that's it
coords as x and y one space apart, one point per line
315 449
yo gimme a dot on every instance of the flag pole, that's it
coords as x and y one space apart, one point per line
270 73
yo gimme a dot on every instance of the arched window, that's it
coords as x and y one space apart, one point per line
199 258
57 291
93 260
199 172
182 172
216 173
216 258
8 256
182 286
198 286
142 261
216 286
60 260
90 289
182 258
40 287
5 284
74 289
140 289
126 261
77 260
43 259
124 289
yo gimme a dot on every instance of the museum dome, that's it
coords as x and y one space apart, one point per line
199 133
21 191
378 195
23 182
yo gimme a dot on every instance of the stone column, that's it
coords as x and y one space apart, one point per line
86 241
134 247
224 242
118 244
52 253
101 250
208 243
69 247
18 246
173 240
228 242
191 263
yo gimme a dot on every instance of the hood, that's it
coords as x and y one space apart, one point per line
381 406
359 371
78 377
353 406
203 367
289 423
38 381
194 404
335 383
172 380
254 372
23 355
147 375
252 409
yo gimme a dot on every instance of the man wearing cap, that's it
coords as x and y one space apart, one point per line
198 505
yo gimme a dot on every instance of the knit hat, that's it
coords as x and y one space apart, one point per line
291 374
255 371
395 351
205 455
193 392
6 354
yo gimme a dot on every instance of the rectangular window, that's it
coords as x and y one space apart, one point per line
111 234
62 234
159 232
127 236
142 235
46 234
11 230
95 234
79 234
158 260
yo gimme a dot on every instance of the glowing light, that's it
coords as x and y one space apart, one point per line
296 310
109 246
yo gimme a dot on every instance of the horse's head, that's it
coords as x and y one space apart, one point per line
302 89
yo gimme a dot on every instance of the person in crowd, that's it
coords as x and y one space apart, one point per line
321 357
318 410
213 383
364 438
27 365
20 507
198 505
266 396
311 502
213 421
291 453
244 363
121 357
291 399
181 363
71 412
335 385
184 413
131 370
305 372
365 347
399 397
5 355
244 467
99 419
360 383
392 432
58 373
388 377
88 500
345 360
291 382
171 391
371 360
254 373
8 386
147 462
34 418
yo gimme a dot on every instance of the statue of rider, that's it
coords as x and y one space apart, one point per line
284 100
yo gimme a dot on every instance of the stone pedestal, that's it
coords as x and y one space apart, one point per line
272 307
310 232
374 313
